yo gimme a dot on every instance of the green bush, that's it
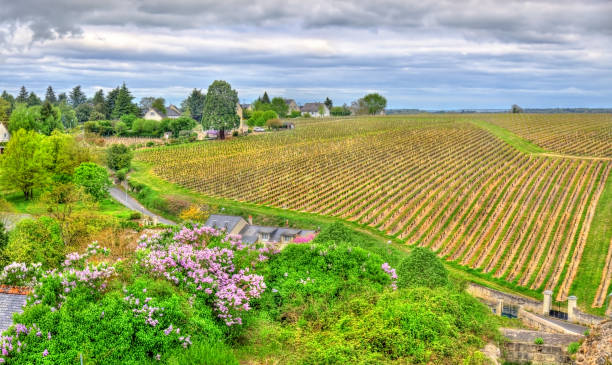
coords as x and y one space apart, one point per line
93 178
539 341
421 268
119 156
35 241
573 347
4 237
335 233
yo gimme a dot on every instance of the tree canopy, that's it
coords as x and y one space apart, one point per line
220 108
77 96
93 178
194 104
375 103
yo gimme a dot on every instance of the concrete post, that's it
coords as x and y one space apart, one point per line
547 303
155 221
500 307
571 305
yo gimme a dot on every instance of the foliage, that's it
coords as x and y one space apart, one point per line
538 341
50 95
50 119
422 268
77 97
33 99
159 104
375 103
194 214
280 107
24 162
83 112
194 104
65 154
274 123
515 109
5 109
94 179
34 241
340 110
220 108
295 114
4 237
119 156
122 103
573 348
328 103
335 233
181 124
23 117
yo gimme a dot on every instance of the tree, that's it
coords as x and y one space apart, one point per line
33 99
280 107
10 99
35 241
68 115
118 157
194 104
265 98
77 97
62 98
220 108
181 124
50 95
24 163
516 109
5 110
83 112
145 104
65 154
340 110
421 268
328 103
359 107
22 97
159 104
94 179
24 118
50 119
375 103
110 101
3 236
123 103
274 123
99 103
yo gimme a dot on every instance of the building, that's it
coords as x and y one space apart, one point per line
172 112
315 109
248 107
252 233
4 137
293 107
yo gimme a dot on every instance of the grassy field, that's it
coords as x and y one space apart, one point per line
495 205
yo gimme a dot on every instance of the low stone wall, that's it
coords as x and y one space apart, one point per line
585 318
533 321
517 352
492 295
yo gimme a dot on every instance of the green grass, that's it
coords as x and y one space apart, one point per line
512 139
595 252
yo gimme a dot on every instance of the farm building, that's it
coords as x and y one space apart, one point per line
315 109
4 136
172 112
252 233
292 105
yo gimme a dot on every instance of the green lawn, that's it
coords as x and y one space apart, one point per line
512 139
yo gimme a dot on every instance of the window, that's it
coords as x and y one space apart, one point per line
264 236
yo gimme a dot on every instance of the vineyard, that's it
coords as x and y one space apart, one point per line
436 181
574 134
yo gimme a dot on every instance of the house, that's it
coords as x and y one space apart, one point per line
293 107
315 109
172 112
248 107
252 233
4 137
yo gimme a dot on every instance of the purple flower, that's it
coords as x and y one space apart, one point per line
45 353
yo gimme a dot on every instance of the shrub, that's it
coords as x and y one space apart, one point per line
335 233
538 341
3 236
135 215
93 178
573 347
274 123
422 268
176 204
35 241
119 156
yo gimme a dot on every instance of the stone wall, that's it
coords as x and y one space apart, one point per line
517 352
533 321
493 296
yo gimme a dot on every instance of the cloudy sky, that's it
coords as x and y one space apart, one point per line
424 54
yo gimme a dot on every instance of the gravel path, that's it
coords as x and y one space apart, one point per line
133 204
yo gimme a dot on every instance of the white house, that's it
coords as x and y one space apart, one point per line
172 112
4 136
315 109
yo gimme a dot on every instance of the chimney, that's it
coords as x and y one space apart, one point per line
250 220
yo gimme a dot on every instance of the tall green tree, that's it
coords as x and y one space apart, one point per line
194 104
65 154
5 110
159 104
375 103
98 102
68 115
50 95
50 118
24 118
77 96
111 97
145 104
22 97
220 108
118 157
328 103
123 103
93 178
265 98
83 112
62 98
24 163
181 124
280 107
33 99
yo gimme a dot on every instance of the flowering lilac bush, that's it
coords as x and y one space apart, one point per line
20 274
392 274
189 261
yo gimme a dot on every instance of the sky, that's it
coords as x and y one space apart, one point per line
473 54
